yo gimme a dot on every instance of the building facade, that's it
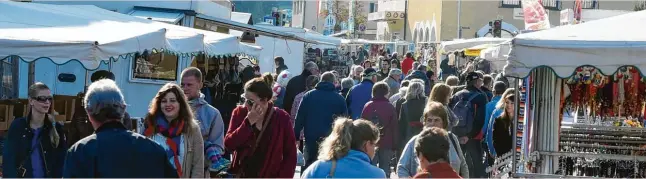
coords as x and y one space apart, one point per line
390 19
307 14
434 21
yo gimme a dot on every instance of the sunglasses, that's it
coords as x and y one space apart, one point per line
249 102
43 99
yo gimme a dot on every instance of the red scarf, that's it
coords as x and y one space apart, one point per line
175 130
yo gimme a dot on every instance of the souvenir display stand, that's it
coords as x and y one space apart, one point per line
585 104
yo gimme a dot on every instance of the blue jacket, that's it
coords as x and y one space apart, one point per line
422 76
211 124
114 152
489 110
489 133
357 98
317 112
354 165
18 144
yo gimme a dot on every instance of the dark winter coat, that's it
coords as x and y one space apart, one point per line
115 152
18 148
295 86
318 110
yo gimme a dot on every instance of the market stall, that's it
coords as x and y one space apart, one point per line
583 110
465 50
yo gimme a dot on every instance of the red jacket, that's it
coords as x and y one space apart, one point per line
388 121
438 170
278 146
407 65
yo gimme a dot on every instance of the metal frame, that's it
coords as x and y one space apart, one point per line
596 156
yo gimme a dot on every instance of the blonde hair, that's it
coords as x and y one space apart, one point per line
346 135
441 93
49 117
452 80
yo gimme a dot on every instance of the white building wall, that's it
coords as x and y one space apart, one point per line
383 31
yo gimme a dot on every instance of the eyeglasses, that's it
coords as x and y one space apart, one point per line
43 99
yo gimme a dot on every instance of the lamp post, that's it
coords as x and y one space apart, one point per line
459 13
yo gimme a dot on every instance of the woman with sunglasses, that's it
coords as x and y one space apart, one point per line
171 124
35 146
347 152
260 136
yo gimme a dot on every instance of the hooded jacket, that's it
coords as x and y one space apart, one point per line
357 98
355 164
211 126
295 86
317 112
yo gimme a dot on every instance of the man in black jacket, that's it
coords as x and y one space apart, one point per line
113 151
297 84
472 140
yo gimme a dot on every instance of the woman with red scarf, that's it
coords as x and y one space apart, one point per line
261 136
171 124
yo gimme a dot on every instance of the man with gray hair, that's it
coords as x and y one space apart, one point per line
393 81
297 84
316 113
113 151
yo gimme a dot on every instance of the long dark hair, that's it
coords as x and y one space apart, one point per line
185 112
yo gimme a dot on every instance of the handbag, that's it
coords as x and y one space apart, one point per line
240 173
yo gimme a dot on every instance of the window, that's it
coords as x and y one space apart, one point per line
589 4
373 8
552 4
156 66
510 4
9 85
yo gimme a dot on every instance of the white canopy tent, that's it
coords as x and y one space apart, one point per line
461 44
306 34
497 55
90 34
34 31
188 40
606 44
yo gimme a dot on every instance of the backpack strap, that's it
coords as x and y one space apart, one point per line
473 96
332 170
455 145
